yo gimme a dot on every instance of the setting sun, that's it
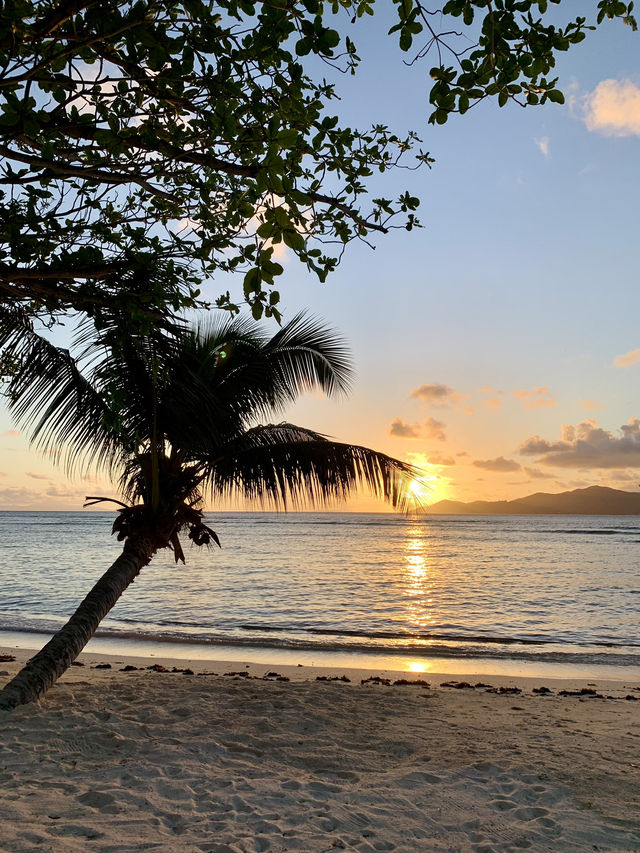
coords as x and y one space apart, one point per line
429 486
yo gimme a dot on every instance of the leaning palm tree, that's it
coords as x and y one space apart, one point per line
174 417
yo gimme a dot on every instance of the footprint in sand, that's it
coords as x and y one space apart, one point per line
503 805
74 830
531 813
98 800
410 780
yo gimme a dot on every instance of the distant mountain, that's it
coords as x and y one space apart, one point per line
596 500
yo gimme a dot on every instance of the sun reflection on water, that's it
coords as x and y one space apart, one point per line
418 578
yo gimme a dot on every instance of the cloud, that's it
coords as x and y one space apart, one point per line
538 398
535 474
543 145
439 459
492 403
500 464
37 476
486 389
400 429
628 359
435 394
434 429
591 405
431 428
613 108
12 433
622 477
588 446
59 492
12 497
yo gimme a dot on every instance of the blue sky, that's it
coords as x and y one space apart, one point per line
522 283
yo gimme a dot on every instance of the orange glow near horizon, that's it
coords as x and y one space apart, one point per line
429 486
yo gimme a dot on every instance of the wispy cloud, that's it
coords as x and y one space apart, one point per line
537 398
542 145
492 403
591 405
35 476
55 491
439 459
587 445
500 465
435 394
13 498
536 474
438 394
613 108
434 429
628 359
12 433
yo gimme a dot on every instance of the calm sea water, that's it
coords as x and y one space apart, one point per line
532 588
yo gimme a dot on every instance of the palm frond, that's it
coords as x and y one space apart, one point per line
233 368
63 413
283 464
309 354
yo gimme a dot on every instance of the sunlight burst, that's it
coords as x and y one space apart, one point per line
429 486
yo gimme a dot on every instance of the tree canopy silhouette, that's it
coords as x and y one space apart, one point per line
199 134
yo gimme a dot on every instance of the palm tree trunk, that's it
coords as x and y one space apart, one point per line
63 648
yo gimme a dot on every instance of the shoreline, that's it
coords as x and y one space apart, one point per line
260 656
95 662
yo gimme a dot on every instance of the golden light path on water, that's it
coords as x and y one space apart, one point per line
419 576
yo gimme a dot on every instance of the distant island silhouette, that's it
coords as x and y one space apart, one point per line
595 500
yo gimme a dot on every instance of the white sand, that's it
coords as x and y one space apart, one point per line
113 761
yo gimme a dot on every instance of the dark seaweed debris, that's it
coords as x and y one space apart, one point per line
274 676
584 691
505 691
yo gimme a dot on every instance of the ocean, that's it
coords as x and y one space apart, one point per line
556 594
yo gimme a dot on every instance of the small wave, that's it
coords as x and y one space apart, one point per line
467 650
432 649
405 635
592 532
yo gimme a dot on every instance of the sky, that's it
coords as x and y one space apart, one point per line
498 347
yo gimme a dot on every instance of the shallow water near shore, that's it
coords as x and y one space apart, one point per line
513 594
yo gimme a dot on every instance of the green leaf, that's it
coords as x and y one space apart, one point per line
556 96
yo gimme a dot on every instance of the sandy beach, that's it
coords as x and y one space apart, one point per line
137 760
